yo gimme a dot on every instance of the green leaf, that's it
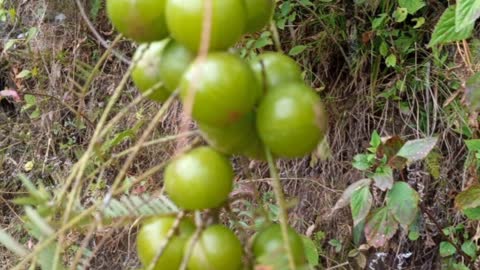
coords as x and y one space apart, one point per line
472 91
445 29
383 178
350 191
383 49
470 248
380 227
391 60
412 6
11 244
402 202
473 145
467 12
23 74
400 14
472 213
311 251
416 150
459 266
297 50
375 141
469 198
419 22
447 249
361 162
360 204
379 22
414 229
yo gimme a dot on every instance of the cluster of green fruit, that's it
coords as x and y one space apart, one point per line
242 108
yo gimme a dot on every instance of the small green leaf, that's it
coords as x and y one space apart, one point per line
349 191
445 29
419 22
23 74
391 60
447 249
383 178
469 198
360 204
472 213
311 251
376 140
467 12
361 162
470 248
402 202
473 145
297 50
417 149
412 6
383 49
380 227
400 14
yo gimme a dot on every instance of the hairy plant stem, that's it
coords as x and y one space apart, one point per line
282 205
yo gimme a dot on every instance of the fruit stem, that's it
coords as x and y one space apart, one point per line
278 190
193 242
276 36
166 241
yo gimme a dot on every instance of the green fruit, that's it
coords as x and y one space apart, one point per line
151 237
140 20
199 179
259 13
176 58
269 242
225 89
234 138
185 22
291 120
147 73
275 69
217 249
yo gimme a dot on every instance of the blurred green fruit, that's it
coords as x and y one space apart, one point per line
276 69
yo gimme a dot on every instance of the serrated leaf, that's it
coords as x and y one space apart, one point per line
360 204
447 249
402 202
416 150
470 248
445 32
412 6
349 191
467 12
469 198
391 60
472 213
380 227
376 140
383 178
433 164
311 251
297 50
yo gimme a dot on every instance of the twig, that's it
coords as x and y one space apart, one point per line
103 42
191 245
278 190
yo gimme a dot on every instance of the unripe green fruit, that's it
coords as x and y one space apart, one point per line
176 59
276 69
140 20
259 14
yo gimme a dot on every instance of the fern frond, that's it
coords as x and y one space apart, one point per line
137 206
